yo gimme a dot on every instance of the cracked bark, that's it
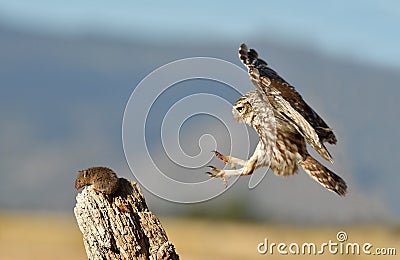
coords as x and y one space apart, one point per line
120 226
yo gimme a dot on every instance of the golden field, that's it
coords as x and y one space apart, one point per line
27 235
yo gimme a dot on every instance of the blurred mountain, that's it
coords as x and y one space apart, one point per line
63 99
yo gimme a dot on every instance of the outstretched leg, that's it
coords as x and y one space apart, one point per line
248 169
230 160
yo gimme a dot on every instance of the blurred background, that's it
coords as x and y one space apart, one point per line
68 68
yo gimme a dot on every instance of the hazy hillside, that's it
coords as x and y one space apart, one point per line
62 103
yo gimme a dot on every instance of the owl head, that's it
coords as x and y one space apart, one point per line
243 111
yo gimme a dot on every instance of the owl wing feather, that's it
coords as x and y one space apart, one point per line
288 102
291 115
260 74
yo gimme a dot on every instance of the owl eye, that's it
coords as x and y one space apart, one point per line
240 109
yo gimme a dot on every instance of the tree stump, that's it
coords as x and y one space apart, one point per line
120 226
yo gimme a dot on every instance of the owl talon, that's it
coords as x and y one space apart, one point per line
219 174
227 159
217 154
224 158
211 174
214 169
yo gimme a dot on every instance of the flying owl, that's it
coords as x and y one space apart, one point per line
284 122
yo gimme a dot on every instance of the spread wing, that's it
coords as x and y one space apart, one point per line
288 102
284 108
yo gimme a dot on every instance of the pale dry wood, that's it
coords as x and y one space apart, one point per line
120 226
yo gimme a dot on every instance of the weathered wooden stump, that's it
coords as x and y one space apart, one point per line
120 226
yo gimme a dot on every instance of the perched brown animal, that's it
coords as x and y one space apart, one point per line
102 179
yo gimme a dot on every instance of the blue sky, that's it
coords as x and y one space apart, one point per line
365 30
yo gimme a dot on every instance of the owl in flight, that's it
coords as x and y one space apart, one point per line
284 122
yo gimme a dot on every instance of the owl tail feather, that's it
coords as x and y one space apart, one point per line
324 176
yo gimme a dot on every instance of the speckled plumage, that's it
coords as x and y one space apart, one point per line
284 123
